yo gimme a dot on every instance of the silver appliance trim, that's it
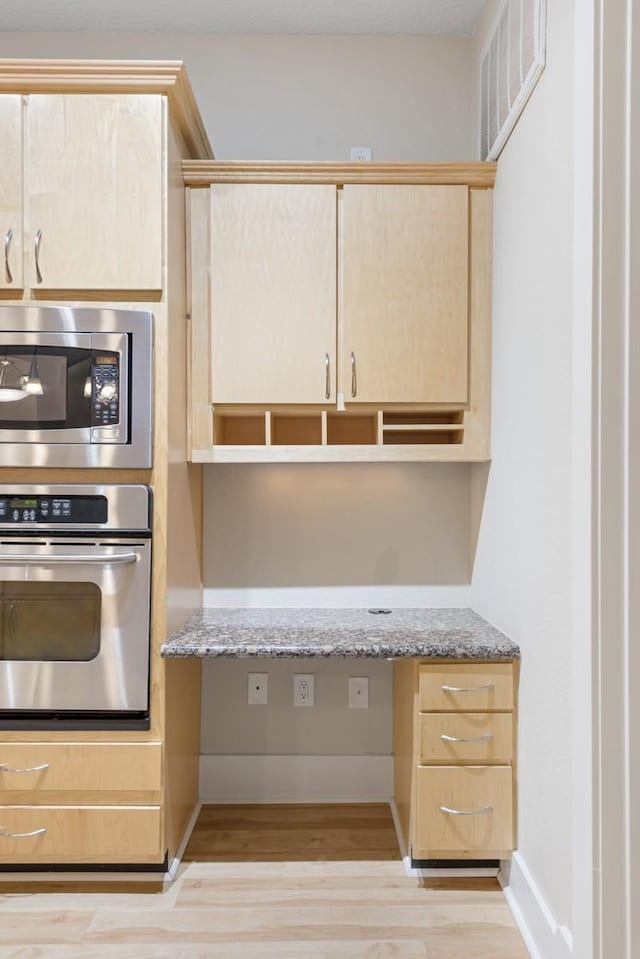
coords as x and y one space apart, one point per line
85 448
127 506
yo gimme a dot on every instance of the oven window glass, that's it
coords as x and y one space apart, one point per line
45 388
49 622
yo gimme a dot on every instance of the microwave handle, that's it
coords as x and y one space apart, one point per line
97 559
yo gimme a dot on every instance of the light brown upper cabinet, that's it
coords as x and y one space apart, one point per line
340 312
89 214
94 192
273 282
11 191
405 282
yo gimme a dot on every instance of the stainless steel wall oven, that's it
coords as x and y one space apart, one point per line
75 387
75 587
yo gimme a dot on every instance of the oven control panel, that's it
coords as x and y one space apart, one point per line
80 510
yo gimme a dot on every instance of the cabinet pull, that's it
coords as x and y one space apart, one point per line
5 834
354 375
7 246
467 689
327 377
37 253
467 812
30 769
476 739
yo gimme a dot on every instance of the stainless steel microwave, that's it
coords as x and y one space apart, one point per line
75 387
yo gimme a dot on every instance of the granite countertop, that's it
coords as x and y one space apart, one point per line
435 633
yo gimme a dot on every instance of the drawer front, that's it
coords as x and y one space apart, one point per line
465 738
484 792
84 834
80 766
477 687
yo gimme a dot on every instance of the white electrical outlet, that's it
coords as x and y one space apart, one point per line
360 153
257 688
304 689
358 692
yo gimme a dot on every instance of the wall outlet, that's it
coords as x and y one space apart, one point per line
257 688
304 689
360 153
358 692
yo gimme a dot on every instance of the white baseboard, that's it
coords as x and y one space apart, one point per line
295 779
544 937
175 862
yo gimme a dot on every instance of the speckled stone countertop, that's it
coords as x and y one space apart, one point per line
435 633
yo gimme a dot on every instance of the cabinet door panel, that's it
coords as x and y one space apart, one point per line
85 834
480 818
273 293
95 191
10 191
405 293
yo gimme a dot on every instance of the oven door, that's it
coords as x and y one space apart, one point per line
74 626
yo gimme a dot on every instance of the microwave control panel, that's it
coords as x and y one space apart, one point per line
105 392
83 510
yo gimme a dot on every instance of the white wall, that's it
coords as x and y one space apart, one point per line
304 98
523 574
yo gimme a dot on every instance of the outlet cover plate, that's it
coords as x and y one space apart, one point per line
257 689
358 692
304 693
360 154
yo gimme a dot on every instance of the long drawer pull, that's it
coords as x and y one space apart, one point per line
31 769
467 689
467 812
5 834
53 559
475 739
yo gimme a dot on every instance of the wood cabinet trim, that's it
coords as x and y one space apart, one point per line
202 173
167 77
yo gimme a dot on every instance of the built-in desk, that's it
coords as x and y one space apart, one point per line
455 683
450 634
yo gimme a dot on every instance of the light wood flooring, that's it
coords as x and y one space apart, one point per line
270 882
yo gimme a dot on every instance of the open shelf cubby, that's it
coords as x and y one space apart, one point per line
420 428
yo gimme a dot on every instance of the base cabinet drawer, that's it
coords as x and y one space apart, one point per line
83 834
122 767
477 687
465 737
463 812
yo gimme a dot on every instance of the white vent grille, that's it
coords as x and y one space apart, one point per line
513 60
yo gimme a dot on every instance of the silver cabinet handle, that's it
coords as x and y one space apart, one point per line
467 689
7 246
327 377
31 769
467 812
354 375
5 834
29 559
476 739
37 252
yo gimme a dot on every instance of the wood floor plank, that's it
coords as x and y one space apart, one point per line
407 949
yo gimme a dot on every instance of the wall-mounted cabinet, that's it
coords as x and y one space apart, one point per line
347 307
89 215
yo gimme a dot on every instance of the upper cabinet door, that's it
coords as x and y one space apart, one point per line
11 191
273 293
94 186
405 294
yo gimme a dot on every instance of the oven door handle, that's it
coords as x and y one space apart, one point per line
96 559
